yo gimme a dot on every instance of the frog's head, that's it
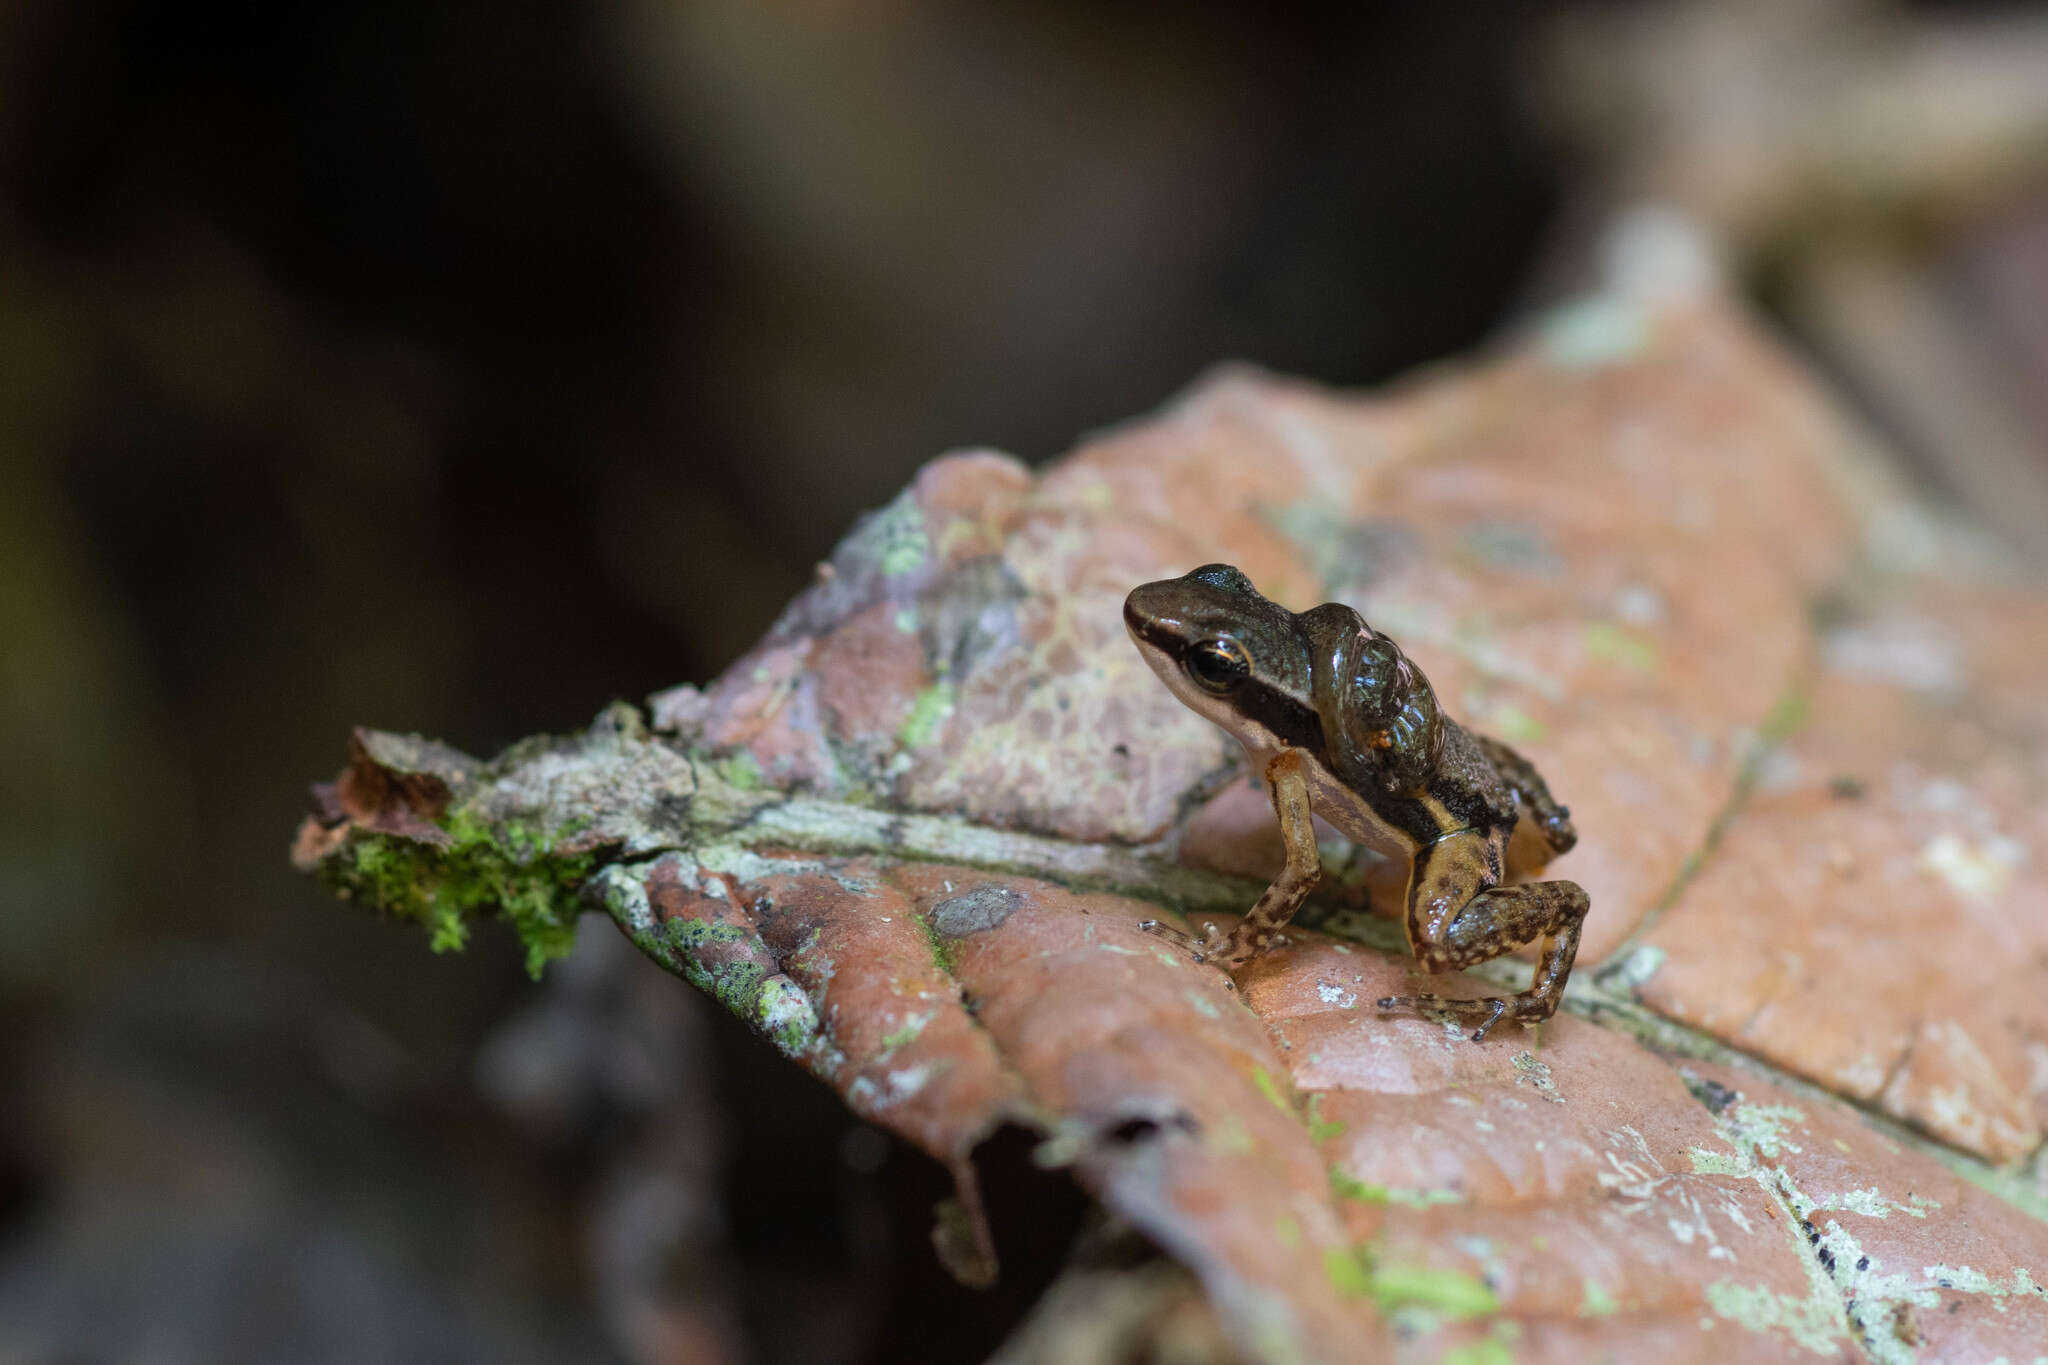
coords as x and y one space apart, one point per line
1229 654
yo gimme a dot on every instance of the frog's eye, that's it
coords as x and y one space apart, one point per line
1218 665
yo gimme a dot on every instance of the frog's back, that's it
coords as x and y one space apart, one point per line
1387 740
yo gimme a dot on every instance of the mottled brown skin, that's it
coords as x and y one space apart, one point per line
1340 723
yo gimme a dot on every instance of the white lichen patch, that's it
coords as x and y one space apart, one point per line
1634 970
1914 654
1861 1077
1336 995
1871 1204
784 1013
1977 870
895 537
1967 1281
1595 332
1761 1128
904 1083
869 1095
907 1032
1851 1291
1816 1322
1536 1075
1641 1185
622 890
1597 1302
1639 604
1069 1139
623 787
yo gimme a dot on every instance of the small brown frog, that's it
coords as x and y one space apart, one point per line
1341 723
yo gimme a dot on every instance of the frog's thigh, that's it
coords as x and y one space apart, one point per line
1287 778
1458 916
1447 936
1504 918
1449 876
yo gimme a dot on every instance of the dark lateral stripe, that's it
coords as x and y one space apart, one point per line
1289 720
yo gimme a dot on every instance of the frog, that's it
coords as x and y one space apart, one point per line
1338 722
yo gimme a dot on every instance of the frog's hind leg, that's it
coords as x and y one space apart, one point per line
1551 817
1287 777
1492 920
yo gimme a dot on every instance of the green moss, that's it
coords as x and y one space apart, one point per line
901 544
1609 643
1788 715
908 1032
1228 1136
1321 1129
508 870
1492 1351
741 771
942 951
1348 1272
1511 722
781 1010
927 714
1453 1293
1347 1186
1396 1287
1270 1088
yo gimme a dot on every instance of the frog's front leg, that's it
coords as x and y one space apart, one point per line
1551 817
1287 779
1458 918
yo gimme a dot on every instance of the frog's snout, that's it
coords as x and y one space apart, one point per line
1145 611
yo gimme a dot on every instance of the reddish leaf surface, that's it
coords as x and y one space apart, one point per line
911 834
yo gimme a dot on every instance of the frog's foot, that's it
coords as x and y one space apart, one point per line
1530 1007
1209 946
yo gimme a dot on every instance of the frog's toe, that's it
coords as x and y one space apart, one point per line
1200 949
1422 1004
1488 1011
1500 1007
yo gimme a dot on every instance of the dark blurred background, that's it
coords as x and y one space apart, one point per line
458 367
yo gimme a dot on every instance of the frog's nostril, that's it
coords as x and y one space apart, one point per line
1150 614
